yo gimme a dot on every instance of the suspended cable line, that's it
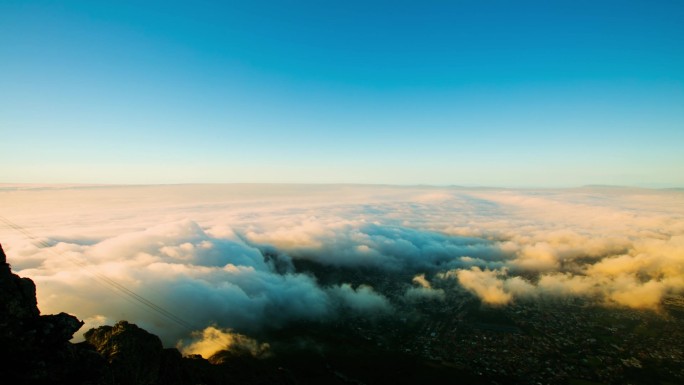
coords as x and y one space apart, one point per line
114 285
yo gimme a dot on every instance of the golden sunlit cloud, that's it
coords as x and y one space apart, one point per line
212 340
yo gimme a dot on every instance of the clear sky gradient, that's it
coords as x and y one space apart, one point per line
499 93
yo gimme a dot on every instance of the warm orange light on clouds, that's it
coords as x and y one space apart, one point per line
222 254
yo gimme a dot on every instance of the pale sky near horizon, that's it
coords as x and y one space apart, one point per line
497 93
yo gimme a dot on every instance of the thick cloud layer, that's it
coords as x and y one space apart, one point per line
225 255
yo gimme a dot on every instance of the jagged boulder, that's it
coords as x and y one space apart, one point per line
57 329
135 356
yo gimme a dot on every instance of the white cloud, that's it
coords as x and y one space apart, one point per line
362 299
424 290
197 250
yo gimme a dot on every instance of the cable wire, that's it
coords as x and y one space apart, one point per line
114 285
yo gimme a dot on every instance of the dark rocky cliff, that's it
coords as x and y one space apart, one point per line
35 349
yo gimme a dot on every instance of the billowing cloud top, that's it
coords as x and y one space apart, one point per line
223 254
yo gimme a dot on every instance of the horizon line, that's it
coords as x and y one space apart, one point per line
405 185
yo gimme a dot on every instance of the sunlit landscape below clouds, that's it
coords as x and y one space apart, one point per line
223 255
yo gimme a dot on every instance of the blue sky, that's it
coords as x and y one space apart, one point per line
499 93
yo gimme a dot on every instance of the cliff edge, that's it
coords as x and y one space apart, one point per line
35 349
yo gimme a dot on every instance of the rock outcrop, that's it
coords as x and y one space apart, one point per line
34 348
17 298
133 354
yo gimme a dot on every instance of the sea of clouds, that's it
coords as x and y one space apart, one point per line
220 257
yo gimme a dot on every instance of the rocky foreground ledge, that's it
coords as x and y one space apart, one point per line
35 349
